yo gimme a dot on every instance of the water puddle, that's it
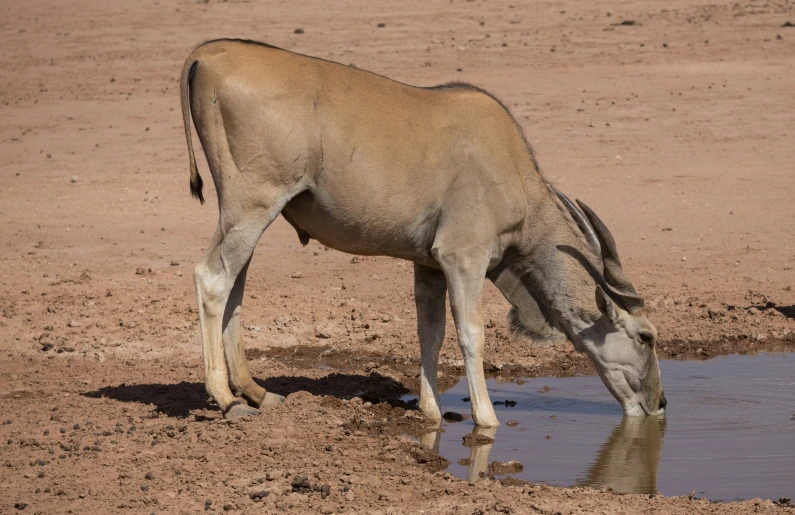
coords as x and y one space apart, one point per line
728 433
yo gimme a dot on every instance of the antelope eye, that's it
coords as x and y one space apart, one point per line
646 338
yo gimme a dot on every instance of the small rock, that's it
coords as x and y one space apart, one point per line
297 275
149 476
74 178
381 25
20 505
350 496
300 484
74 323
684 258
753 311
174 263
258 496
512 423
500 468
298 31
452 416
325 330
472 440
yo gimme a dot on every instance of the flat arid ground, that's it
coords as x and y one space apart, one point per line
673 121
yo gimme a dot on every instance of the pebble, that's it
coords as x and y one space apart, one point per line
174 263
74 178
298 31
452 416
472 439
503 467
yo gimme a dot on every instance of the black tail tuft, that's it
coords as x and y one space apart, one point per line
196 185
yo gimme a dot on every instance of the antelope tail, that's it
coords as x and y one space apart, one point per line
196 182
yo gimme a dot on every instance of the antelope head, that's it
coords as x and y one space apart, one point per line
621 343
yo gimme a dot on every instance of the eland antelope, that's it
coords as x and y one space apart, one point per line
440 176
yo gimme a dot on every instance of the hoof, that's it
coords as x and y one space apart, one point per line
271 399
239 411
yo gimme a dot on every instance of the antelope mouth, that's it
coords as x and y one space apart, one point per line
648 412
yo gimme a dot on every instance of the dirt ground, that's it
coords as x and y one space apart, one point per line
674 121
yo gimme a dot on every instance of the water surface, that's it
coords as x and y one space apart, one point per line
728 431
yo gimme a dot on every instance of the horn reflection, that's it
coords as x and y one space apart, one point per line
629 459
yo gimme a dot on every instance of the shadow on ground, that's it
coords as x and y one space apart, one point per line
179 399
787 311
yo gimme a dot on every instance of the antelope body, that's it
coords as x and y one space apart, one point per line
439 176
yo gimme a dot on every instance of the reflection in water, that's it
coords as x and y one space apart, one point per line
432 438
627 462
629 459
478 454
726 436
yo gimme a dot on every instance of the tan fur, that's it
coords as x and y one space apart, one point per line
439 176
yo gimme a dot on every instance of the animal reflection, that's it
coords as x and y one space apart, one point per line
478 452
627 462
629 459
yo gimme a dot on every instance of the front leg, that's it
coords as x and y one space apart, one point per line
430 288
466 272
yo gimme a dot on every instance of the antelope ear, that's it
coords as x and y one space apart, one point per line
605 305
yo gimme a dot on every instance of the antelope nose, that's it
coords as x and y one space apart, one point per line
663 402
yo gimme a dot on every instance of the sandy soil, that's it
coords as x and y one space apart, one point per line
673 121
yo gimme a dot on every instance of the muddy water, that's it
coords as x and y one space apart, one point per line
728 433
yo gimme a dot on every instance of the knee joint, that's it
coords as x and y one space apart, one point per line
212 287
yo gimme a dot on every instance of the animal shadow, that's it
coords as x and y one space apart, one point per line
180 399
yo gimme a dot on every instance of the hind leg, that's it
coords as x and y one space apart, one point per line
239 376
430 290
215 277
